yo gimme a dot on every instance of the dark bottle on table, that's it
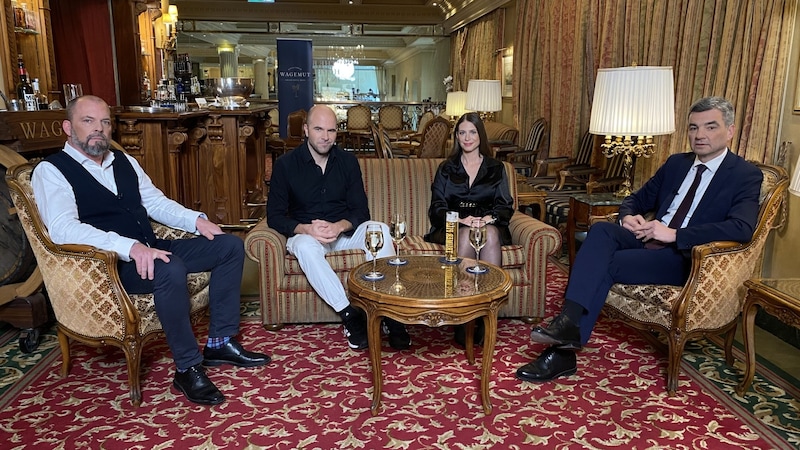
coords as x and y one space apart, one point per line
24 89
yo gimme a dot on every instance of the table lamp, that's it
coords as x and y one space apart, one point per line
484 96
456 104
632 104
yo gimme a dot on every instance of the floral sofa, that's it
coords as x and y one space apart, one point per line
397 185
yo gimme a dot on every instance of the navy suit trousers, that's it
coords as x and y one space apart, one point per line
223 256
611 254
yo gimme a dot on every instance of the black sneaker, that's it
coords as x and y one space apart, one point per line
355 328
398 336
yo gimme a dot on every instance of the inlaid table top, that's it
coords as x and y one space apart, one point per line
430 292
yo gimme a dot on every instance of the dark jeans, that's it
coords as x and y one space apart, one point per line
223 256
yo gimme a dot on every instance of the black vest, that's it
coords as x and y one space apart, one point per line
97 206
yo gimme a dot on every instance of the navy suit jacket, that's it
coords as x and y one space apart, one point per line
728 210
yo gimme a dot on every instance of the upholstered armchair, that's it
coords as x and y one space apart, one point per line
84 288
433 141
359 119
712 298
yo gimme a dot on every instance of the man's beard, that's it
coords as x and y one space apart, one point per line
97 149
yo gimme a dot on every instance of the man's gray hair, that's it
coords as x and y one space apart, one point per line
720 104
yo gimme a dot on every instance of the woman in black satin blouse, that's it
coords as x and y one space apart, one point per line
473 183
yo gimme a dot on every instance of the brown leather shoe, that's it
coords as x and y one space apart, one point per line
551 364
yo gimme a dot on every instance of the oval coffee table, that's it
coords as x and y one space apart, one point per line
428 292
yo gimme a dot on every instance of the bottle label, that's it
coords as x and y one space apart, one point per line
31 103
450 238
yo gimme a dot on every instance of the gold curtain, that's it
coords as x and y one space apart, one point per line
474 50
738 50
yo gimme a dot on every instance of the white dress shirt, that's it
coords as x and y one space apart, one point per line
712 166
55 200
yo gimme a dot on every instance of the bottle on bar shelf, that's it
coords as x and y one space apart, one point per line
41 97
24 88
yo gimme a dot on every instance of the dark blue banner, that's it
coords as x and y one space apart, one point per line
295 78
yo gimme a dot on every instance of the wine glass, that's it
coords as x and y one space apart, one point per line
397 229
477 239
374 242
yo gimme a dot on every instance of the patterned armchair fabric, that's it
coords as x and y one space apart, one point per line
84 289
397 186
712 298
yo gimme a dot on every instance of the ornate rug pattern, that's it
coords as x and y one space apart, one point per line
317 393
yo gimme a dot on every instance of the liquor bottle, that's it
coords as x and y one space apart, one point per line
41 97
450 237
146 94
24 88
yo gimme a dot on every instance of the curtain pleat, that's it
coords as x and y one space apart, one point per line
730 48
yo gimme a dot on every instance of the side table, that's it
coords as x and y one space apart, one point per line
581 208
779 297
528 195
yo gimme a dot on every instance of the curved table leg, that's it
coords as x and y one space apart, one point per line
469 341
374 340
748 321
489 338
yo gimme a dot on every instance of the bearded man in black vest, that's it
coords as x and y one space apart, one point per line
91 194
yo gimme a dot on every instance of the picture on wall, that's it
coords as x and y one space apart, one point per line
507 75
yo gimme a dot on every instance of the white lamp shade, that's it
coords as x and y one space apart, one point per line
633 101
484 96
456 103
794 187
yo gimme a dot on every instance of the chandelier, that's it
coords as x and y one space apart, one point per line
344 61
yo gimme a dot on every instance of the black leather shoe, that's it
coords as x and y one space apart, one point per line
196 386
551 364
460 334
233 353
398 336
561 332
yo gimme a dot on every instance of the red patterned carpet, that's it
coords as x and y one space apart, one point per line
317 394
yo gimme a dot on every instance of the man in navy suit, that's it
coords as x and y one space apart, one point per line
707 195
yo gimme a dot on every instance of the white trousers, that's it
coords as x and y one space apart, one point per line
310 253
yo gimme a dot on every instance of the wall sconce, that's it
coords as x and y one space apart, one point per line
456 104
485 97
632 104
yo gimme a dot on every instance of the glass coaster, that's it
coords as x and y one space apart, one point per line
444 260
377 276
477 270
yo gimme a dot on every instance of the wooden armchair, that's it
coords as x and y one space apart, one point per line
390 117
434 139
577 170
84 288
359 119
524 159
712 298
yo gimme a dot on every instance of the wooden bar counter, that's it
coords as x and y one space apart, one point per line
211 160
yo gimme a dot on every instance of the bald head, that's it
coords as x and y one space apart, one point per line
320 129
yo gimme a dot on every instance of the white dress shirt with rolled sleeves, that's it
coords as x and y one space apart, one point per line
55 200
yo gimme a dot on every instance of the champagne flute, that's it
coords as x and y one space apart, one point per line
373 240
477 239
397 229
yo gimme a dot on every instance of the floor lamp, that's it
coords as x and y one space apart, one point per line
631 105
484 96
